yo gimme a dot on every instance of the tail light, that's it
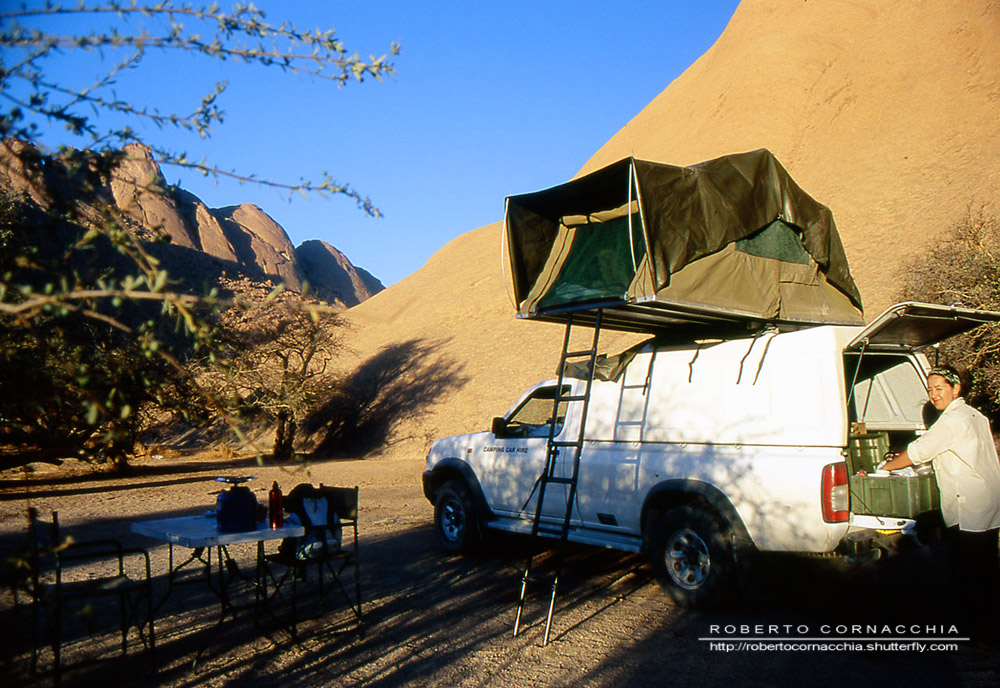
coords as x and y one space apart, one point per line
836 496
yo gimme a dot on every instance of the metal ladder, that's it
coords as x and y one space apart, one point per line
552 462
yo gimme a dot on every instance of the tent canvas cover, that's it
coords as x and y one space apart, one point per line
728 244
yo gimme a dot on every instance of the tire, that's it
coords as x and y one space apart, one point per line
456 524
692 558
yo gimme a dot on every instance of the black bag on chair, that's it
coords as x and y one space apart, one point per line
309 507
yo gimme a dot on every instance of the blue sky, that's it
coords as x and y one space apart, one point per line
489 99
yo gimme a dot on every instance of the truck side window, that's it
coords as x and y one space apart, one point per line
532 418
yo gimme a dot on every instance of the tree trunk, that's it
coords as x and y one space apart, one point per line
284 436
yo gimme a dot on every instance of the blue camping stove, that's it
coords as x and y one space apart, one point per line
236 508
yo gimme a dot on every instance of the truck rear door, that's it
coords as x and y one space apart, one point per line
911 326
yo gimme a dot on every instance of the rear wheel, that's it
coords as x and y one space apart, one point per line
455 523
692 557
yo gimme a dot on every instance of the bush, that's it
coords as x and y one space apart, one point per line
964 269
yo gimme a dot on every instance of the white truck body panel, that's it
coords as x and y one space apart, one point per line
777 389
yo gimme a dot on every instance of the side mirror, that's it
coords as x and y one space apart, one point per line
499 427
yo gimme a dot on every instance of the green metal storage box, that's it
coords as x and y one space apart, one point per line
866 450
894 495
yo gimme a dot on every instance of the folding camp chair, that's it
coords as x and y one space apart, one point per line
328 549
58 586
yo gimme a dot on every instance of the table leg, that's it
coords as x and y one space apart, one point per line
199 555
259 593
263 600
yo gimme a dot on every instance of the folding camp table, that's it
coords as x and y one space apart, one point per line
201 535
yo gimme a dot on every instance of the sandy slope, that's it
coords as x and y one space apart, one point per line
886 112
476 355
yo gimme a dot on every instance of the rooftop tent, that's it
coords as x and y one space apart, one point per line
729 243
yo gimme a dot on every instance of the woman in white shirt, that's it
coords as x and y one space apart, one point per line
960 447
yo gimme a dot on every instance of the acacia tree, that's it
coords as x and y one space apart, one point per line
48 281
277 363
964 268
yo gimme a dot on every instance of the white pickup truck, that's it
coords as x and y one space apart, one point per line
699 451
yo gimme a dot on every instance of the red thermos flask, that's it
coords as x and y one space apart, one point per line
274 512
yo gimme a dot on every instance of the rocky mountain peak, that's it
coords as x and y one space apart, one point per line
205 244
332 277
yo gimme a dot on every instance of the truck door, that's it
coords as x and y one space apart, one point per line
514 457
886 382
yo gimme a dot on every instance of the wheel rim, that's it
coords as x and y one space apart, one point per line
687 559
452 520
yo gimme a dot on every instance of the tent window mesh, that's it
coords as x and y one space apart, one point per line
777 240
599 264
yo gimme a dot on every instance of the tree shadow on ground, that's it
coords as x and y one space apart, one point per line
423 613
381 394
137 477
434 619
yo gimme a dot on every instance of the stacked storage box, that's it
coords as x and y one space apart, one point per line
887 495
892 495
866 451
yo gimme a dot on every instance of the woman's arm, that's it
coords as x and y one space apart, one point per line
901 461
938 439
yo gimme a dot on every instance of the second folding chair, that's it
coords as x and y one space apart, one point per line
59 591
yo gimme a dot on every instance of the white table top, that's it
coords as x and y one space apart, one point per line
202 531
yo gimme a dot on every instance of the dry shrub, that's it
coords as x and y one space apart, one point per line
964 269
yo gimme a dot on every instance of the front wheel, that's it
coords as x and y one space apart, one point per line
692 558
455 522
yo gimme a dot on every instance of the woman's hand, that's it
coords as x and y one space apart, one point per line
900 460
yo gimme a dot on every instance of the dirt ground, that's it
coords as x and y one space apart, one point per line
437 620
